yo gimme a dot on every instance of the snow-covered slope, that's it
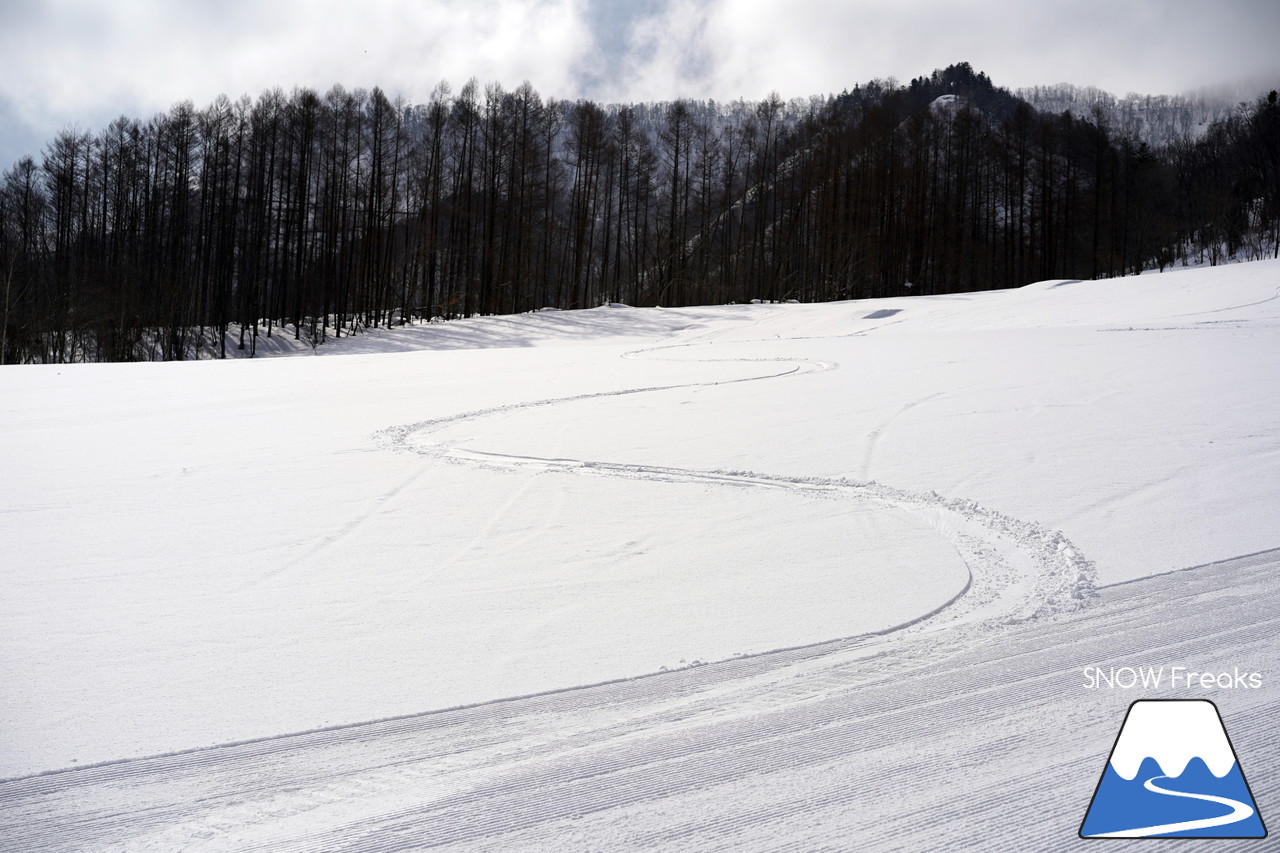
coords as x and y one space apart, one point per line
905 742
210 552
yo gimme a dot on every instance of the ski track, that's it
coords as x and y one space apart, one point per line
831 746
824 747
873 438
1017 569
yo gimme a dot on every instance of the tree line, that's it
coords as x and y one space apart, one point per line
1158 120
315 216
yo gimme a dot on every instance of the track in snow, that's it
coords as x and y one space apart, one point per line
1017 569
813 749
937 735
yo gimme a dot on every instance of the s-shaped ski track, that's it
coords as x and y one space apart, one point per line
488 774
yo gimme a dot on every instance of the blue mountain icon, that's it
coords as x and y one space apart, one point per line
1172 774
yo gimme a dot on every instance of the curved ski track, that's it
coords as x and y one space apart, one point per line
1018 570
808 750
829 746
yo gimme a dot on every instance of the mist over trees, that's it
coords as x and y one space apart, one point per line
1158 120
199 231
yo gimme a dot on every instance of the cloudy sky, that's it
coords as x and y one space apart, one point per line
83 62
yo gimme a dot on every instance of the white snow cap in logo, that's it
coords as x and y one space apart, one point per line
1172 733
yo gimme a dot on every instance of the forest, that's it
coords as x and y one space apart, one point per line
193 233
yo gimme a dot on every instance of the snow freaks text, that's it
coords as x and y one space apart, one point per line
1170 677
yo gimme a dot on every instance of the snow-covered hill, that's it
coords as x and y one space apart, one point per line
216 552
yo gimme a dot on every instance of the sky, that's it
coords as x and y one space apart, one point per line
81 63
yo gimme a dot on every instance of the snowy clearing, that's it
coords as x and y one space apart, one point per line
434 517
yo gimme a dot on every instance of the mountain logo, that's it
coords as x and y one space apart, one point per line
1172 774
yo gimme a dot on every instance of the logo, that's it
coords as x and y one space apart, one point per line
1172 774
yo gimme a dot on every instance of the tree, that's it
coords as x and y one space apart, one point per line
158 238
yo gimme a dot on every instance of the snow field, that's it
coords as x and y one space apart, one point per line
912 740
204 537
209 553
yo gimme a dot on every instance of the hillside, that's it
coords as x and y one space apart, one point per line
981 493
315 215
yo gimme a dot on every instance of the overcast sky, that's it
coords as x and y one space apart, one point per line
83 62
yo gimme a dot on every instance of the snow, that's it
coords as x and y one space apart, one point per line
441 516
238 530
926 741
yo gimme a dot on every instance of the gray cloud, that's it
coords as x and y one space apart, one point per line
802 47
84 62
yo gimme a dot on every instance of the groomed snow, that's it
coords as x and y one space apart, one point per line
208 552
